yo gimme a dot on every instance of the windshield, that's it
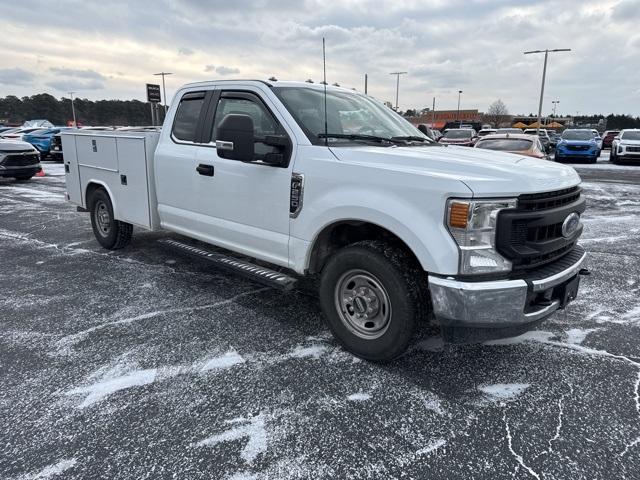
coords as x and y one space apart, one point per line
458 134
348 114
631 135
482 133
506 144
577 135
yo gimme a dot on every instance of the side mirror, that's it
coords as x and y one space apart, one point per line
235 138
616 138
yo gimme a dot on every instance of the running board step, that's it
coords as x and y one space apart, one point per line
260 274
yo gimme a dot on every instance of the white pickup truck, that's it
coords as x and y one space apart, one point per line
397 228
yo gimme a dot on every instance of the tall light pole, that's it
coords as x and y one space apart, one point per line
164 91
555 104
544 74
458 114
73 110
397 74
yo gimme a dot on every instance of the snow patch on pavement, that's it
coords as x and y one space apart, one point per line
228 360
435 445
310 351
100 390
576 336
359 397
251 428
51 471
504 392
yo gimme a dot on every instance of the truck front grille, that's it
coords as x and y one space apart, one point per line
20 160
531 234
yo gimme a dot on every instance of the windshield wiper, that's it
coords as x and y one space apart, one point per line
413 138
357 136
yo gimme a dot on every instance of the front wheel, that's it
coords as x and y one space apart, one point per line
373 295
112 234
23 178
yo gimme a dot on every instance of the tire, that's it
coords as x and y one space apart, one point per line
556 158
112 234
389 282
23 178
594 159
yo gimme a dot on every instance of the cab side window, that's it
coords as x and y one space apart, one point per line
187 116
263 121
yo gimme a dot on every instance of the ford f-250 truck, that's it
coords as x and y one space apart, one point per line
396 227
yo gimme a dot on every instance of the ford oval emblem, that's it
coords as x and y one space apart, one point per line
570 225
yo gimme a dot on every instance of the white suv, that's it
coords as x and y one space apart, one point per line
626 146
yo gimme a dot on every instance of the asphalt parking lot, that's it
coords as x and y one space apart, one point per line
143 363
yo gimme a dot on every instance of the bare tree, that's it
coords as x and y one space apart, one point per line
497 113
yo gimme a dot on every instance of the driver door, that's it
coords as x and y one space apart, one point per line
245 205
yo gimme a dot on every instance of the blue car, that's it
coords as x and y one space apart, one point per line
41 139
577 145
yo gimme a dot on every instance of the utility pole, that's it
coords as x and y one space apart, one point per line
164 91
544 75
73 110
458 114
397 74
433 113
555 103
366 78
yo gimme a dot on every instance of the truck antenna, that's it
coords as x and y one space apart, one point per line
324 69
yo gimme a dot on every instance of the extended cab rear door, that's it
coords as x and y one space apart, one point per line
244 206
176 162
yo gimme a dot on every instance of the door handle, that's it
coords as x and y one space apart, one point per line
206 170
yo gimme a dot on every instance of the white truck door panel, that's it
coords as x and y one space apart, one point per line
72 173
131 187
175 164
245 205
97 151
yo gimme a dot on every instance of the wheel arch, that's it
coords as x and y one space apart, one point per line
92 186
341 233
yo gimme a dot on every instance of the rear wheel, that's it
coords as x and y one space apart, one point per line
373 295
22 178
112 234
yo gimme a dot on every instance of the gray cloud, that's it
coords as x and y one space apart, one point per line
75 73
221 70
74 84
15 76
445 45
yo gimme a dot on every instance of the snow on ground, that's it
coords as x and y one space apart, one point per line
504 391
120 365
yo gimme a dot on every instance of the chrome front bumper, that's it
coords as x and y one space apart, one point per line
500 303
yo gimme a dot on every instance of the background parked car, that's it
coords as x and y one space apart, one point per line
596 135
19 160
41 139
486 131
554 138
577 144
542 135
528 145
626 146
459 136
501 131
18 133
608 136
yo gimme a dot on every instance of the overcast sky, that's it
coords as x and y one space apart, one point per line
110 49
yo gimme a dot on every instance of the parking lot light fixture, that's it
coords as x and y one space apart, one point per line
397 74
544 74
458 114
164 91
73 110
555 104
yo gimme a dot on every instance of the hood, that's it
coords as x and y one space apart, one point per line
630 142
578 142
485 172
15 146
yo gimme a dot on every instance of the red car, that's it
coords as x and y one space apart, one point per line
607 138
465 137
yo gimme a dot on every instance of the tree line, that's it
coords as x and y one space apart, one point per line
15 111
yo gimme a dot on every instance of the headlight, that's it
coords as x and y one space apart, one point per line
472 224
